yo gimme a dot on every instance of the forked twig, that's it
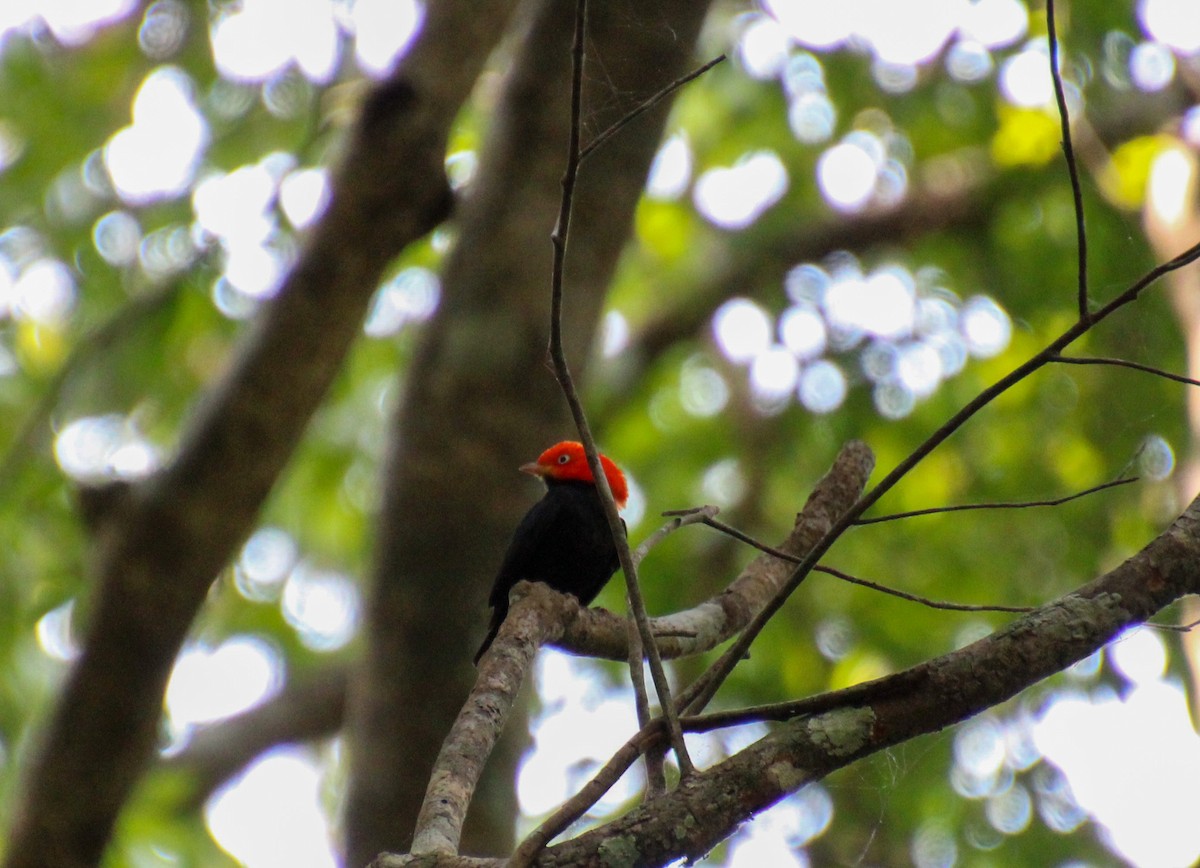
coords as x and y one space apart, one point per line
646 105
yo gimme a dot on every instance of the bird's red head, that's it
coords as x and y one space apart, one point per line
567 462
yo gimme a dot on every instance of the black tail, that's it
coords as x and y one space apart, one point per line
498 614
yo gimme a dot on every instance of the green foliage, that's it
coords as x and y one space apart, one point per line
1062 431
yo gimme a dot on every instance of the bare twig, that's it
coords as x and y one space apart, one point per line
964 507
646 105
854 580
914 598
1069 152
1124 363
679 518
558 239
702 690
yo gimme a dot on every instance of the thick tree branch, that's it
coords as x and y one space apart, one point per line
704 810
161 542
537 616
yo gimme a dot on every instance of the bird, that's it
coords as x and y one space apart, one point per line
564 540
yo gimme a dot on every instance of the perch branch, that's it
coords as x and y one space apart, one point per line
537 615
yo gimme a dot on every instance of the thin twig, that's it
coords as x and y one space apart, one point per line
1069 152
704 688
914 598
646 105
576 806
854 580
558 239
679 518
964 507
1124 363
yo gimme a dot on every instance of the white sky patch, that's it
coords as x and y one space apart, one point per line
303 195
812 22
156 156
774 373
209 684
322 606
262 37
272 815
1151 66
763 47
1169 186
904 34
96 448
411 296
742 329
994 23
54 634
614 334
882 304
44 292
73 22
822 387
985 326
802 330
1172 22
383 30
907 33
1025 77
580 725
734 197
671 170
846 175
1131 761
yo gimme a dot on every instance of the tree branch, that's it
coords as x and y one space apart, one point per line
599 633
537 615
701 692
873 716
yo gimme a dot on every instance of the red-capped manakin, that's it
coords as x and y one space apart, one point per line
564 539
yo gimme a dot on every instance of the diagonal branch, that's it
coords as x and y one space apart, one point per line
537 616
867 718
700 692
707 625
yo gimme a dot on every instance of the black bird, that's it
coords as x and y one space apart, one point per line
564 539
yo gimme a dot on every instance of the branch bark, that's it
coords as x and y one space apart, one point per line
600 633
708 807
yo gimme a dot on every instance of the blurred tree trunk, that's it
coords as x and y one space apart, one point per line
479 399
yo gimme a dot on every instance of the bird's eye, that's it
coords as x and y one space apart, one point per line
564 458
